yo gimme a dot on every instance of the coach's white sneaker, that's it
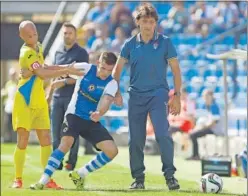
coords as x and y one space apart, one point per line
77 180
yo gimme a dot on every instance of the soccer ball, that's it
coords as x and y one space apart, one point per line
211 183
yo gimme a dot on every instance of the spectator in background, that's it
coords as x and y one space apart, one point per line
230 12
119 40
218 25
95 12
210 124
121 16
201 17
243 9
89 34
8 95
185 121
177 19
63 88
103 42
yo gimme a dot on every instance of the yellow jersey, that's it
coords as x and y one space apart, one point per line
32 59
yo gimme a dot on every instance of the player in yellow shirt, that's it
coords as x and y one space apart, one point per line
30 111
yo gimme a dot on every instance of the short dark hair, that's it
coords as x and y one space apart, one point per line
108 57
67 24
146 10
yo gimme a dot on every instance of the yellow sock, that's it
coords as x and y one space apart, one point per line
19 160
45 153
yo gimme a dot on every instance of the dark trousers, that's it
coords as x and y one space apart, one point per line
138 109
195 135
58 109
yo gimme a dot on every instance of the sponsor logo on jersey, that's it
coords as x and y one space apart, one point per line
100 87
88 96
35 65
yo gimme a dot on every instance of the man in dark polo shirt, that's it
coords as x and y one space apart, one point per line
149 53
62 88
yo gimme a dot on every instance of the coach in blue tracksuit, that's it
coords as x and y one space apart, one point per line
148 53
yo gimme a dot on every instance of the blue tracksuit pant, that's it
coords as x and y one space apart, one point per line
138 108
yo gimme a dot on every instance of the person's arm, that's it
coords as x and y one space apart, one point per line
26 73
121 61
62 82
174 64
46 74
84 67
54 67
105 101
118 68
171 56
104 104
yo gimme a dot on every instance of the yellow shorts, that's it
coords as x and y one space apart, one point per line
30 118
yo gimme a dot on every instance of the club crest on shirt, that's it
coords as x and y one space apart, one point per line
155 45
91 87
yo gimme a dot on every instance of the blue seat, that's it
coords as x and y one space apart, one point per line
219 73
243 39
219 48
186 63
203 63
189 89
162 7
242 72
114 107
229 40
191 73
175 40
199 102
191 39
132 5
207 73
241 100
116 123
103 122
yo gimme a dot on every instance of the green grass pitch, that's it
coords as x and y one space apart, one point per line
112 180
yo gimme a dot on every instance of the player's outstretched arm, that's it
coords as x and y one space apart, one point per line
47 74
57 67
26 73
